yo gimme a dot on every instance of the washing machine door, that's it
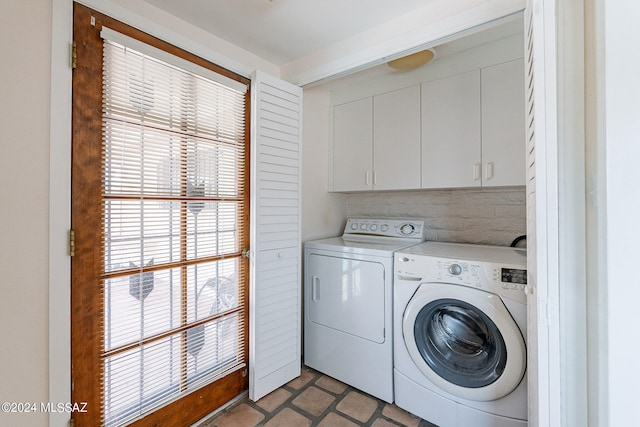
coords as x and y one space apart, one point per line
465 341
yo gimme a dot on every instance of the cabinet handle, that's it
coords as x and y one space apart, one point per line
375 178
477 170
489 170
366 178
315 288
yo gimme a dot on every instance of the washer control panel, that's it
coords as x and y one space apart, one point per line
461 272
510 278
504 279
385 227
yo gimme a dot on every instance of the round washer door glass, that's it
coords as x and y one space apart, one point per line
460 343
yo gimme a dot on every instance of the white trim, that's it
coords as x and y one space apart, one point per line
571 292
146 49
550 248
60 210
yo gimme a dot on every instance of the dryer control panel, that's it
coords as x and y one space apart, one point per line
388 228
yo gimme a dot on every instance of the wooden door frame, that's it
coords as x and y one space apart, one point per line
86 205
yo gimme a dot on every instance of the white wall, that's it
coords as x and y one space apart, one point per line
323 213
25 28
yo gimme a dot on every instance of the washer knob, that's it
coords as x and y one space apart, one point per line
373 227
354 226
455 269
384 227
363 227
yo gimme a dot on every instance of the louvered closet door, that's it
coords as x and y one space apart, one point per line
537 325
275 312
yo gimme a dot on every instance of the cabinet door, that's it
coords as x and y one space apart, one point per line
451 144
352 145
503 127
396 140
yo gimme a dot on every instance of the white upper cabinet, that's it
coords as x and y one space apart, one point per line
352 155
376 142
463 130
473 128
503 127
451 132
396 140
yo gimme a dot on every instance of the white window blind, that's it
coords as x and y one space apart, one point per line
173 209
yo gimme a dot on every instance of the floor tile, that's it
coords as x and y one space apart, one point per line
242 415
274 399
313 400
335 420
331 384
302 380
288 418
381 422
357 406
400 415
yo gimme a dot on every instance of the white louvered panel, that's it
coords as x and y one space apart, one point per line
274 349
529 96
534 327
530 135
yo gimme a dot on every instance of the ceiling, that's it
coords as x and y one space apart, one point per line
282 31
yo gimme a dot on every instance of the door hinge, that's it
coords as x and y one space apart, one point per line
74 55
72 243
72 422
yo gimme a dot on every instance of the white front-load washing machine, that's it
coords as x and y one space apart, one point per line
460 318
348 302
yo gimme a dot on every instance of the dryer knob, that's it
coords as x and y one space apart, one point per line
407 229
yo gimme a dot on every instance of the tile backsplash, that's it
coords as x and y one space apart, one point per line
480 216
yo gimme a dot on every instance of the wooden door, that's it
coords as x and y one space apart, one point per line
160 214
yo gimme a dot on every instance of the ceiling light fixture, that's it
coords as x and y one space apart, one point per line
413 61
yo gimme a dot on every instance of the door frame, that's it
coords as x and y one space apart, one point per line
59 326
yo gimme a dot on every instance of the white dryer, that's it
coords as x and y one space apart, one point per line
348 302
460 320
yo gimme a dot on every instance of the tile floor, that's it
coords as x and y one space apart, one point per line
314 399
